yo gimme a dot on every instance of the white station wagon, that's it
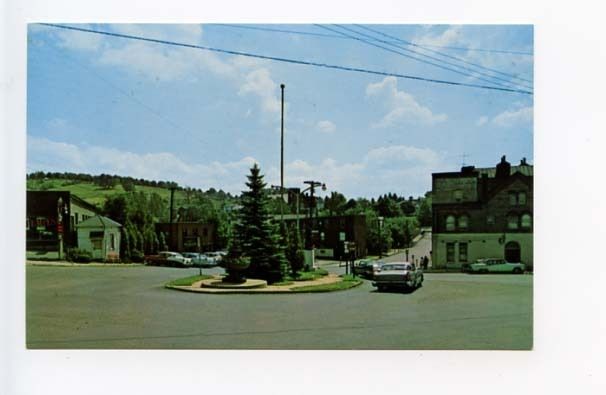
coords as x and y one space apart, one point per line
496 265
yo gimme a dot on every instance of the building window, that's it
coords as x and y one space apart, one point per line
450 251
513 199
463 222
526 221
458 195
512 221
522 198
112 241
462 252
490 219
450 223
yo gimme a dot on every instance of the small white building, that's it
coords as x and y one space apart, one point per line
101 237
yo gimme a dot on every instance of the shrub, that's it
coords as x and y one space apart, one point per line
78 255
136 256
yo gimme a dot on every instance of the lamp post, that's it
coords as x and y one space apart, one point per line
60 211
380 225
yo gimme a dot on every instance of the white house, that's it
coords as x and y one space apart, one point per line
101 237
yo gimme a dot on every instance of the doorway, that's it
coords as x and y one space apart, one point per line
512 252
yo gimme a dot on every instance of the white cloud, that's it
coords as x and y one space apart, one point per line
48 155
482 121
401 169
402 106
183 33
448 37
513 117
78 40
260 84
326 127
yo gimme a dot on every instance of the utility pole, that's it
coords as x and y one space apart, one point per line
170 216
282 161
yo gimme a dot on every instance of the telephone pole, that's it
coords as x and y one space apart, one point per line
282 160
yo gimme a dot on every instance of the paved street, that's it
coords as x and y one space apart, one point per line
127 307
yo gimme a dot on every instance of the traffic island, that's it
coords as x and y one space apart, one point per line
215 285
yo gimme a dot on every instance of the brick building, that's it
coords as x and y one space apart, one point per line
49 213
329 232
483 213
188 236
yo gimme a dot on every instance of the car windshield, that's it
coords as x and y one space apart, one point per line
393 267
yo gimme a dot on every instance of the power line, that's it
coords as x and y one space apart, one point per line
433 58
442 54
410 56
267 29
287 60
482 50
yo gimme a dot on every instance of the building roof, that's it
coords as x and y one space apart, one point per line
83 203
98 221
522 169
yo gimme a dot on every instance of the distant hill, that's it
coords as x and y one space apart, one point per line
96 189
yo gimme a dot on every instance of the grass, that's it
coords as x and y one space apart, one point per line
94 194
307 276
187 281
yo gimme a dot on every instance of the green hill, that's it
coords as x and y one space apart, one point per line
96 195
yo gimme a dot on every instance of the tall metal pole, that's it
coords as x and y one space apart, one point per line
282 161
170 219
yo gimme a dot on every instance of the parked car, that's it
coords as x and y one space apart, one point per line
496 265
200 260
398 275
168 258
215 256
367 268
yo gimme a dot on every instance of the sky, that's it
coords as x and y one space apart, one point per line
103 104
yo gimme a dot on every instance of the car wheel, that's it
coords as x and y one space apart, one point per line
381 288
517 270
421 282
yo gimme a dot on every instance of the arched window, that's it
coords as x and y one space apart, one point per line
526 221
450 223
512 221
463 221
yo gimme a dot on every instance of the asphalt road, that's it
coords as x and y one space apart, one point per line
128 308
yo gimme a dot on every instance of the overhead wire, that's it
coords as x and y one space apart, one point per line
288 31
442 54
413 57
288 60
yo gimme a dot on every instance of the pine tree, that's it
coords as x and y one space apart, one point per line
257 238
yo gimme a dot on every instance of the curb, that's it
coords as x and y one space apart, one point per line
293 290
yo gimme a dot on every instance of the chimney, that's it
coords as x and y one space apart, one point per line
523 162
503 168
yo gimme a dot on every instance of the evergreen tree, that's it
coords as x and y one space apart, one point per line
255 235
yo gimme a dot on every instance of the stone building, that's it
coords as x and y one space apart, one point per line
483 213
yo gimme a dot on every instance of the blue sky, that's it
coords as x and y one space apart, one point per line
99 104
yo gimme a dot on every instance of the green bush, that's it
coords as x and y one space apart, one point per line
78 255
136 256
